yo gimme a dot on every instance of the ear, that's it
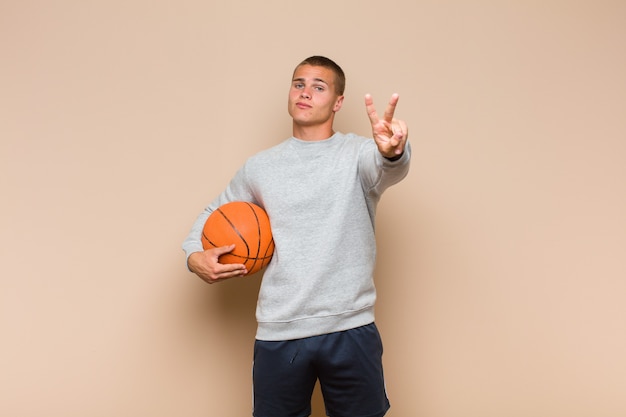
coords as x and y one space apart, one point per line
338 104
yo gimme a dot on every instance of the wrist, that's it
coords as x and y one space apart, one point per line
190 261
394 158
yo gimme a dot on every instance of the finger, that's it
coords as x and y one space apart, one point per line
399 129
400 136
225 271
224 249
371 110
226 268
391 108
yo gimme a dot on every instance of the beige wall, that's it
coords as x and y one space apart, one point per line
502 267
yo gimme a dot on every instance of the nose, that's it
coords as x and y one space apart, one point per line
305 93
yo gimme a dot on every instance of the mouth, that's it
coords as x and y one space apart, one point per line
303 105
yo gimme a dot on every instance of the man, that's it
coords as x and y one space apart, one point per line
315 309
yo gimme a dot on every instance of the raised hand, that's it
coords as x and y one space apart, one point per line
390 134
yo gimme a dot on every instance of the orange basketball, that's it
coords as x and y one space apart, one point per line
248 227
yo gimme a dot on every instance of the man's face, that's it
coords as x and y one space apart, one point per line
312 97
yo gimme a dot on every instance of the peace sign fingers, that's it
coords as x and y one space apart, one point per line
389 111
390 134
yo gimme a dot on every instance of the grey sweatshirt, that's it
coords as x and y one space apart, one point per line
321 199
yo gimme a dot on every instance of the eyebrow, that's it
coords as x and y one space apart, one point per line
314 79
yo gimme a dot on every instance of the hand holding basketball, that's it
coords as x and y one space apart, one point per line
237 233
206 265
390 134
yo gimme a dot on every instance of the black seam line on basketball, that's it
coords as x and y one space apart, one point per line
235 229
263 258
258 231
209 240
247 257
212 243
267 249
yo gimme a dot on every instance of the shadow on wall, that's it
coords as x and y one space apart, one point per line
228 309
230 306
237 302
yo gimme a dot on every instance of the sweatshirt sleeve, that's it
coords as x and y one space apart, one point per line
379 173
237 190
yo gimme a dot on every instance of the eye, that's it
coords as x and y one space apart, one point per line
319 88
298 85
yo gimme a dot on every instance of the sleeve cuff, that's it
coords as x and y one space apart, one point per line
394 158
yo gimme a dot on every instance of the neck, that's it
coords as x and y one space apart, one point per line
312 133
